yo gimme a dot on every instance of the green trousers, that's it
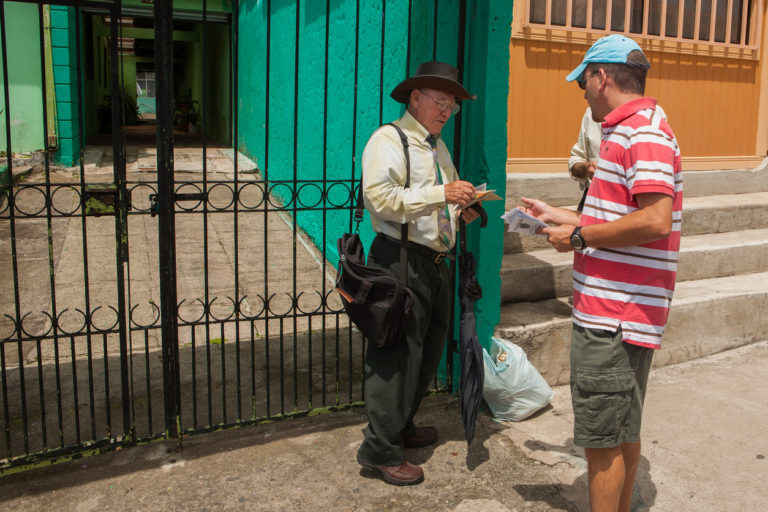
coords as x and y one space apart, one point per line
397 378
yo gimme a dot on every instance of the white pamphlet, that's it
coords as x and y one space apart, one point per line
520 222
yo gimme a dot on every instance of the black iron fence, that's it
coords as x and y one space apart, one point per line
162 285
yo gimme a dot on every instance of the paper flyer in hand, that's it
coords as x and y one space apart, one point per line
482 195
520 222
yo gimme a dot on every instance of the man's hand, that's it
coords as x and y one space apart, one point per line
459 192
537 208
560 237
583 170
549 214
470 214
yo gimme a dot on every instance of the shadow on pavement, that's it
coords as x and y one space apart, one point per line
163 454
643 493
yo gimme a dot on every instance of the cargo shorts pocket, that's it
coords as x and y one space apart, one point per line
604 400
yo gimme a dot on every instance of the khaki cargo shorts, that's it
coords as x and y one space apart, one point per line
608 382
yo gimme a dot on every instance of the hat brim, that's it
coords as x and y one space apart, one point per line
402 92
576 73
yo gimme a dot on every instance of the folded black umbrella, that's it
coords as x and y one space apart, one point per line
470 351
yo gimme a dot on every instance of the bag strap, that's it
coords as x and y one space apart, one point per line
404 226
360 207
583 199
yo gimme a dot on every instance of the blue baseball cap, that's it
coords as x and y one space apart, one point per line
614 48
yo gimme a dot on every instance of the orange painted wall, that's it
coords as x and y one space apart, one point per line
711 102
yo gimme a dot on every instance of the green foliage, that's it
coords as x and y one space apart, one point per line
129 108
185 111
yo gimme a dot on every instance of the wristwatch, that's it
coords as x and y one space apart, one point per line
577 241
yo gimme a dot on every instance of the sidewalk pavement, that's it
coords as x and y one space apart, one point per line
704 449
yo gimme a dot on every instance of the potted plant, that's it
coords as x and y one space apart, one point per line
193 116
182 107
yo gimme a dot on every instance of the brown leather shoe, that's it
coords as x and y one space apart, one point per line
404 474
420 436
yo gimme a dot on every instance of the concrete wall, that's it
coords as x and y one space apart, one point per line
22 27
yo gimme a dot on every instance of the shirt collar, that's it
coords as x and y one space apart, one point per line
409 123
628 109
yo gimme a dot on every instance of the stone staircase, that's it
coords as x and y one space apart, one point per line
721 296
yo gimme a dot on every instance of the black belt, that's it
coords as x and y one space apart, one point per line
435 256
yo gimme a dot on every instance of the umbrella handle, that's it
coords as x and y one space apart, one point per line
483 214
463 231
463 226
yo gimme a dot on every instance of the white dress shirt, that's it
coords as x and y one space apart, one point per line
387 200
587 147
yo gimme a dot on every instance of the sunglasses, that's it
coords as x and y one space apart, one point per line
582 80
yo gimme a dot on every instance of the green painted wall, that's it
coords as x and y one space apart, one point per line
65 75
189 75
24 77
484 144
187 71
218 105
95 85
302 117
321 131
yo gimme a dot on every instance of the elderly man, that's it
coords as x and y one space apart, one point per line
626 242
396 378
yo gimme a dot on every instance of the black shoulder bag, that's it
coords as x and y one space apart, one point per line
376 300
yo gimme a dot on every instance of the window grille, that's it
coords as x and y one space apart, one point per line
728 23
146 82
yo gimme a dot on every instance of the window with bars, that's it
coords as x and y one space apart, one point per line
146 82
733 23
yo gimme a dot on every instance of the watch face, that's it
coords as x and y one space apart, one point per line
576 241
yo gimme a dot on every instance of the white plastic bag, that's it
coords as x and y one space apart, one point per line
513 388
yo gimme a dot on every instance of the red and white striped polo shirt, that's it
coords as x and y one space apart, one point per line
630 287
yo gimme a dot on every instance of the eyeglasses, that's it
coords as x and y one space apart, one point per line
582 80
443 104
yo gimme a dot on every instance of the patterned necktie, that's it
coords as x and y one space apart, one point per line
443 215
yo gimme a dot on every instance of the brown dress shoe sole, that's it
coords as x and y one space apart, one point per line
388 477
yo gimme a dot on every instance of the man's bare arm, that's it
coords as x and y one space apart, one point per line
651 221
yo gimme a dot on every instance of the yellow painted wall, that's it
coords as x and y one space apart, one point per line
712 102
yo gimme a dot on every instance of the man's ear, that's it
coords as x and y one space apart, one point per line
414 96
603 77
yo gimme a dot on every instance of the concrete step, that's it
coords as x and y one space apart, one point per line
701 215
723 254
546 273
536 275
560 189
740 181
727 212
515 242
707 317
